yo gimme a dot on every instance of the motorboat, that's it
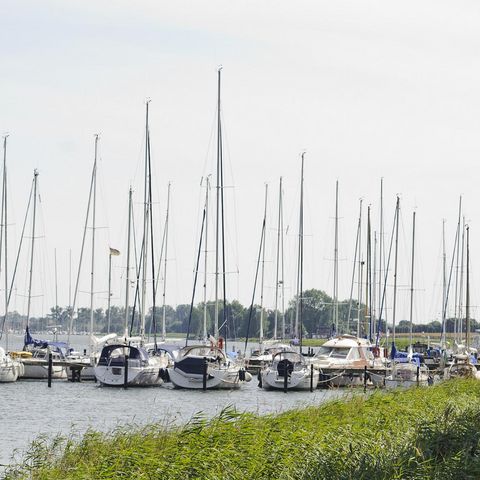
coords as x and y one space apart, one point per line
264 355
290 371
127 365
342 360
206 367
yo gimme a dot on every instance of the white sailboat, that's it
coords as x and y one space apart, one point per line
462 366
288 370
10 368
210 362
127 362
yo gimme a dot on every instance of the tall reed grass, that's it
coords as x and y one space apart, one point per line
422 433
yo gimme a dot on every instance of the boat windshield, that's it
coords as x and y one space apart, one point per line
333 352
201 351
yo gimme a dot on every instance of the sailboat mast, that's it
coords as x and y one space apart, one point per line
457 246
368 281
263 267
444 286
467 299
29 302
381 252
92 265
205 254
462 274
283 263
279 235
145 229
217 220
127 280
373 312
412 278
360 272
164 305
335 264
5 225
397 210
56 287
299 309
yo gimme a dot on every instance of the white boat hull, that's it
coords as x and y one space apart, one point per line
217 378
297 380
40 372
147 376
10 370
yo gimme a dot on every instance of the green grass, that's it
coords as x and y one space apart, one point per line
422 433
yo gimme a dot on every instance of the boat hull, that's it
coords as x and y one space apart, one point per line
221 378
10 371
147 376
297 380
40 372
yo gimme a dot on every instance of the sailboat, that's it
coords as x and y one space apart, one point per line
290 370
10 368
127 362
268 348
406 369
89 360
36 351
207 366
462 365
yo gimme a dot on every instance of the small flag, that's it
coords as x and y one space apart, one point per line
114 252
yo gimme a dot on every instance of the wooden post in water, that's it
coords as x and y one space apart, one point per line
50 369
205 369
418 375
285 380
311 378
365 379
125 371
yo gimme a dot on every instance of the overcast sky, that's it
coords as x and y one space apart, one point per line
369 89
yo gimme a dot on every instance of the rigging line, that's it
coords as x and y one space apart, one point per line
19 250
354 269
2 228
152 249
196 276
137 287
250 313
75 292
444 314
386 270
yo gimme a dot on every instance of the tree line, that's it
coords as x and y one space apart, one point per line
317 319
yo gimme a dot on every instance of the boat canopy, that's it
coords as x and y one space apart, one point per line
115 354
60 347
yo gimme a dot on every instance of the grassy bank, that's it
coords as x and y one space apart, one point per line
420 433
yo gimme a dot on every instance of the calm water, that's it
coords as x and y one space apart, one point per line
30 408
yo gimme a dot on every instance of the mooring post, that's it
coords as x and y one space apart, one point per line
365 379
205 369
285 380
418 375
125 372
50 369
259 378
311 378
